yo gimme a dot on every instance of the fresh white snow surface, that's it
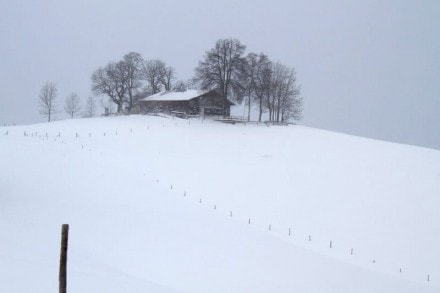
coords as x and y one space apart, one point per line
120 182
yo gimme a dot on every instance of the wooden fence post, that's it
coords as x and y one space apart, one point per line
63 258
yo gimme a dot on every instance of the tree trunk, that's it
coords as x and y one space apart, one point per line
225 94
249 108
130 102
261 109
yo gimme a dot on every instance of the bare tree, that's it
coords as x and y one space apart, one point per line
133 65
292 101
262 82
158 76
111 81
167 77
248 79
46 99
283 99
72 105
221 68
90 108
152 72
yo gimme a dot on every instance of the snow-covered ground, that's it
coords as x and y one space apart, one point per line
121 182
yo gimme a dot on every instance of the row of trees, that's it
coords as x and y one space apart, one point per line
72 105
123 80
269 86
272 86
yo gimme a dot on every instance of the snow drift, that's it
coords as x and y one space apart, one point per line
169 205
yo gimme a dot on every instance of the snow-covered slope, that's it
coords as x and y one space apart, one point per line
121 183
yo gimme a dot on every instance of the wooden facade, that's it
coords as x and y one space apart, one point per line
191 103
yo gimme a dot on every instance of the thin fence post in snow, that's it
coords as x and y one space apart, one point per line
249 222
184 193
428 278
171 187
200 200
230 214
310 238
351 251
289 231
63 258
331 244
270 227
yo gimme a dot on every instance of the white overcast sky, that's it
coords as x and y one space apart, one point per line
369 68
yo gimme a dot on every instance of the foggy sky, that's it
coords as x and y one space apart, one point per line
369 68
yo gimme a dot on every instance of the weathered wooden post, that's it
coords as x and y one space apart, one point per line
63 258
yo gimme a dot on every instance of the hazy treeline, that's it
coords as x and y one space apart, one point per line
47 102
269 86
123 81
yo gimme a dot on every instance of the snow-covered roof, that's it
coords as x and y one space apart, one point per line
174 96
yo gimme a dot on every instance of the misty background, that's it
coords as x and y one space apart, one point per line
368 68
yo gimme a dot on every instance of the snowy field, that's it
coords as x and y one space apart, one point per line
171 205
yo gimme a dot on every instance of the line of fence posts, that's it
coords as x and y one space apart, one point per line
290 231
65 233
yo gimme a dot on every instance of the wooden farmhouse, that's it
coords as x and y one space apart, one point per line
190 102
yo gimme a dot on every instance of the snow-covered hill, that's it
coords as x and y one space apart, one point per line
149 202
